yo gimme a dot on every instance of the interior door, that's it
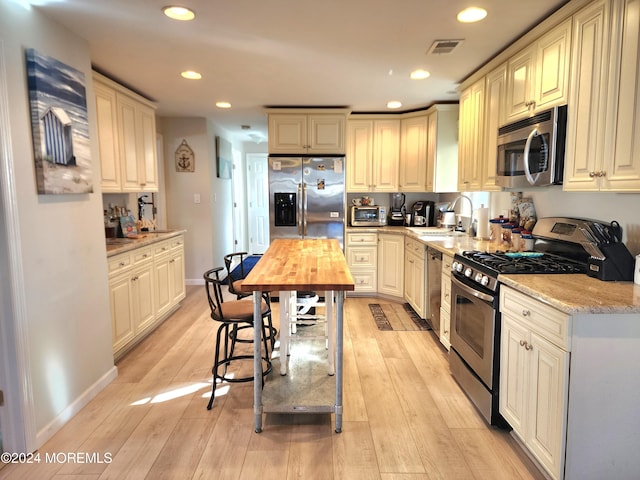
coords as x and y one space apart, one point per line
258 202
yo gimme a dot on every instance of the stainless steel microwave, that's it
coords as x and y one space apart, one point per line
368 216
531 151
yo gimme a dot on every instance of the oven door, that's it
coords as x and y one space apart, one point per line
473 329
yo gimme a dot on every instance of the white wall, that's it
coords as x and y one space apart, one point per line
65 315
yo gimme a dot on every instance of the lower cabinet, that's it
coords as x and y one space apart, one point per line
362 255
415 291
390 264
534 376
145 285
445 301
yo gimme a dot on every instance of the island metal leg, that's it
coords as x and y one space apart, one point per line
257 361
339 346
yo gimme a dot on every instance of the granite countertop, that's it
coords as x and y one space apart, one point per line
116 246
572 294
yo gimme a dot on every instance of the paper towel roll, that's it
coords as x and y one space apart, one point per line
482 221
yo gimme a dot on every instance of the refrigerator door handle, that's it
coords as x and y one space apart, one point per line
300 209
304 209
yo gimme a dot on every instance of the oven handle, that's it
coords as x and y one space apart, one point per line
471 291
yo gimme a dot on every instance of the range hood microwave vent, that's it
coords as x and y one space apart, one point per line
440 47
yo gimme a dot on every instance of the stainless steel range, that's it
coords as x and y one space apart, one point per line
561 247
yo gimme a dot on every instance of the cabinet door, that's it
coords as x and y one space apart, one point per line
386 155
413 154
326 133
547 411
552 67
391 264
147 155
496 84
143 303
176 273
520 78
471 137
163 293
359 155
121 302
622 170
287 133
514 375
128 134
587 98
107 118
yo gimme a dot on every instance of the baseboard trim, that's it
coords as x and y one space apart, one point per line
68 413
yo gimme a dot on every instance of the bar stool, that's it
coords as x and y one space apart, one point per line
233 314
293 312
234 263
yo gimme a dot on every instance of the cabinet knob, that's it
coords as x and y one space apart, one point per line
121 264
592 174
522 343
526 313
528 346
602 174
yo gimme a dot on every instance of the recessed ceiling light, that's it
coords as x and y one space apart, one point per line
223 105
191 75
420 74
472 14
394 104
179 13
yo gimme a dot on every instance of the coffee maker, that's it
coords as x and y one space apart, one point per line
422 214
398 211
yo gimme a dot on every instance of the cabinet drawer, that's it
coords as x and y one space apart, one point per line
445 292
161 247
364 280
141 255
119 263
362 238
541 319
446 265
176 242
415 247
362 256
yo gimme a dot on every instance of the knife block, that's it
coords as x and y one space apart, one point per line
617 264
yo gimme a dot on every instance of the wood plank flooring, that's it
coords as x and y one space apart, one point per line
404 417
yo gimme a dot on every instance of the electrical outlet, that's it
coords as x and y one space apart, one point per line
196 198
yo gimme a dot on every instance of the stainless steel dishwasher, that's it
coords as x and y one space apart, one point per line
434 277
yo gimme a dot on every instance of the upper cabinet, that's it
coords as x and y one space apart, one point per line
538 76
126 138
470 153
603 122
373 152
307 133
494 118
429 150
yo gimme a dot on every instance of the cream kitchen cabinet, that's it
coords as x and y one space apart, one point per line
538 76
494 118
146 284
605 98
470 150
391 264
413 153
321 133
169 274
442 148
362 258
126 138
131 295
534 376
373 154
445 301
415 291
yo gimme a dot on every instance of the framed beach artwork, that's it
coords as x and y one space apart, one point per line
59 126
224 161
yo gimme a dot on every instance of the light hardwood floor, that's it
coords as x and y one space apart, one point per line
404 417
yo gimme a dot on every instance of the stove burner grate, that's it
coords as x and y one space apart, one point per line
543 263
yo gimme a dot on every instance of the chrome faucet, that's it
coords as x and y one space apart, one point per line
451 207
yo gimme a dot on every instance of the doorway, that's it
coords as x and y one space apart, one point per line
258 202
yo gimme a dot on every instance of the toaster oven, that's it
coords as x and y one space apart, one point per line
368 216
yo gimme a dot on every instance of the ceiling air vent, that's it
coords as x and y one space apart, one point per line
440 47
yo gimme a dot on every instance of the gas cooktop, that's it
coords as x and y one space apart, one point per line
525 262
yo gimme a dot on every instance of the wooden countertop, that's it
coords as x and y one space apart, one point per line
289 264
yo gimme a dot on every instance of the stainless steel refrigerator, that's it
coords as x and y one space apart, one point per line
306 197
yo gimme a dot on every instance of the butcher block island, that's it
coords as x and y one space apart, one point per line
304 382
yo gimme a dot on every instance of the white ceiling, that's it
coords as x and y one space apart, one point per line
257 53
